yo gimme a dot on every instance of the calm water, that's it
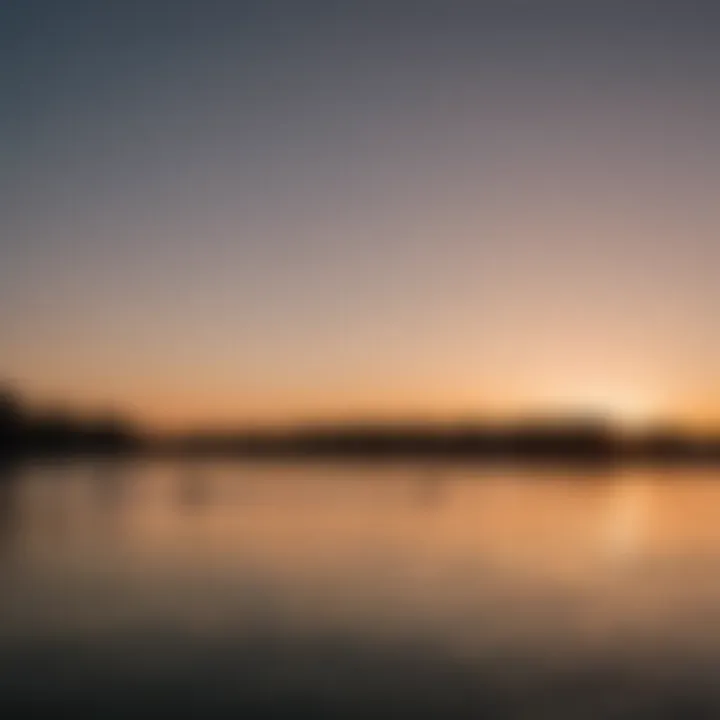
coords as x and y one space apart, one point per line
330 590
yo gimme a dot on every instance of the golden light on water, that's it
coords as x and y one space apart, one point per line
628 517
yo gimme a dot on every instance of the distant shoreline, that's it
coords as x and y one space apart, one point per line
431 459
588 441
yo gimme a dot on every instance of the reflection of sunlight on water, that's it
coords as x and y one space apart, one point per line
478 565
465 554
625 532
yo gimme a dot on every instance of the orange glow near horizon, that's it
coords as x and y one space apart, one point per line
177 413
174 405
508 224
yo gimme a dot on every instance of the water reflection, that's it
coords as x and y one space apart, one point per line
414 585
429 488
9 513
110 484
626 532
194 489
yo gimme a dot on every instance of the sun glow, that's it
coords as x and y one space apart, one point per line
627 408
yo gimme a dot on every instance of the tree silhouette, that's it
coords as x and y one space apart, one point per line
11 423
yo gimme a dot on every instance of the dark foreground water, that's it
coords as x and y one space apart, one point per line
346 591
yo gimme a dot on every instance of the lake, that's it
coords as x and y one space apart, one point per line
319 590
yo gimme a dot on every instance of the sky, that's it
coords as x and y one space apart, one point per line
218 212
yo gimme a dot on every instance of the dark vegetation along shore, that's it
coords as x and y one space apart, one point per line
26 432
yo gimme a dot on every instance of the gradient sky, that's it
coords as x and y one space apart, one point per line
218 211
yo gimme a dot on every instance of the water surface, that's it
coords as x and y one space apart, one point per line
338 590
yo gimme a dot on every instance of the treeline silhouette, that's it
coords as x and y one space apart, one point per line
585 440
25 431
28 432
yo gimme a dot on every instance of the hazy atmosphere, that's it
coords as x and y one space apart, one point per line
226 212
